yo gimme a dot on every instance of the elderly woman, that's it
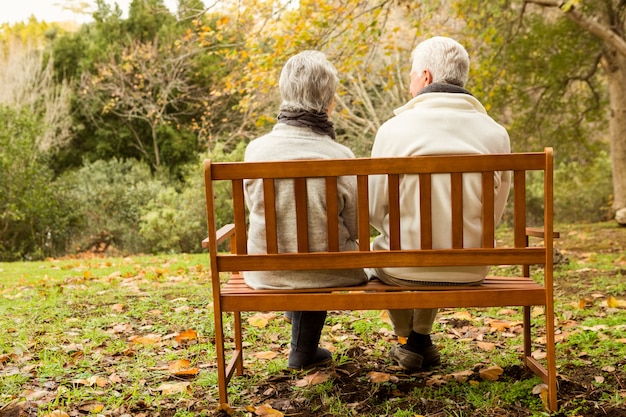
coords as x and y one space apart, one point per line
308 83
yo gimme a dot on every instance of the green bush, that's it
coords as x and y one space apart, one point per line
111 195
582 192
36 216
176 221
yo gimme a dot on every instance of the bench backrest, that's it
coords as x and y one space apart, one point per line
234 173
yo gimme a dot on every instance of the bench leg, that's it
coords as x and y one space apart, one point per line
527 333
238 342
222 377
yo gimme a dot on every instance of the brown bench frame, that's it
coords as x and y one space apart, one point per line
233 296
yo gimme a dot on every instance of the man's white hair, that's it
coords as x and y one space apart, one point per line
446 59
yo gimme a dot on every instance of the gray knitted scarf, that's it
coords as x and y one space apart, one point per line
318 122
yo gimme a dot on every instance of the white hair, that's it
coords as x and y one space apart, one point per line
446 59
308 81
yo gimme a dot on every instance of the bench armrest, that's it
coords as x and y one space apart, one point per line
224 233
538 232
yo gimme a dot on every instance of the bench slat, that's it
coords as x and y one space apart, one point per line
379 259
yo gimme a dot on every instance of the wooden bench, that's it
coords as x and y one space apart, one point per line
234 296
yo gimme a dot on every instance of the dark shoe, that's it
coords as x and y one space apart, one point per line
301 360
408 360
306 329
431 356
413 361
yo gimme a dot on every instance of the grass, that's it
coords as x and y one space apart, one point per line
98 336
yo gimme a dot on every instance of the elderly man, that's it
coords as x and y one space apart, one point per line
441 118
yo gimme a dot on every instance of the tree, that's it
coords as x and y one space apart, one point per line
561 65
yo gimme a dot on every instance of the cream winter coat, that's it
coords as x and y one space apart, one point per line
289 143
437 123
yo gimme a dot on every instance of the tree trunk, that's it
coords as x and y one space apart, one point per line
615 68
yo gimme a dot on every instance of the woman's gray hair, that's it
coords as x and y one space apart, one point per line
308 82
446 59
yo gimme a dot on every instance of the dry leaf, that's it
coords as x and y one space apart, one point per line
490 374
460 376
57 413
313 379
265 355
181 367
615 303
267 410
150 339
486 346
174 388
118 307
378 377
260 320
91 381
186 336
542 391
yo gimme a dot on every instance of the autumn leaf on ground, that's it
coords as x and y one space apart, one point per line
615 303
486 346
118 307
378 377
460 376
260 320
187 336
91 407
150 339
267 410
265 355
318 377
491 374
181 367
174 388
542 391
91 381
57 413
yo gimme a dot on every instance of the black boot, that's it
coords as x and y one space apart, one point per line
306 329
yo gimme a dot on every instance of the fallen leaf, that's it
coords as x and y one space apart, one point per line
186 336
486 346
599 379
542 391
615 303
267 410
491 374
378 377
460 376
150 339
260 320
265 355
174 388
57 413
118 307
181 367
313 379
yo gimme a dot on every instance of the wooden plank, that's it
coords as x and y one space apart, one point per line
488 210
382 166
302 222
269 206
426 230
346 260
393 185
332 215
239 216
363 213
456 195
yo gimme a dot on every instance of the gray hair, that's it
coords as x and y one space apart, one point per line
446 59
308 81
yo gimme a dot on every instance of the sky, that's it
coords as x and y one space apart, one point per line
13 11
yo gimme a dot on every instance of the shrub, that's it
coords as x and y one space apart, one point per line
36 216
111 196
